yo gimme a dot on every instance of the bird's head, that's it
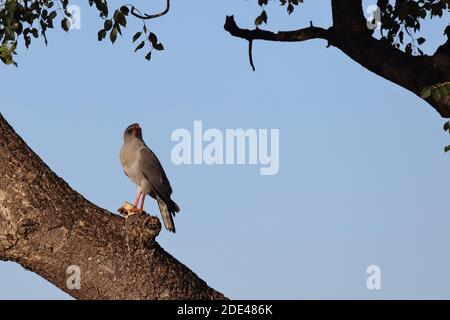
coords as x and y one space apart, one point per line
133 131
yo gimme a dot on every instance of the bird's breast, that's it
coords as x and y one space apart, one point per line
130 163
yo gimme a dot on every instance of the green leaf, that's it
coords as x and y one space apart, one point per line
436 95
120 18
108 24
3 49
101 35
102 7
421 40
13 48
443 91
290 8
65 24
262 18
158 46
447 126
148 56
52 15
153 38
27 40
426 92
113 34
408 49
124 10
137 35
48 3
140 46
34 32
447 149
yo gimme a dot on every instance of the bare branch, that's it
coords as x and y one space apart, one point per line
284 36
135 12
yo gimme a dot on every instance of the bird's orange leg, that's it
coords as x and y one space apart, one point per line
141 209
136 202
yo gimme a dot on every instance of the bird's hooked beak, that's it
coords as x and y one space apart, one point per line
137 131
133 130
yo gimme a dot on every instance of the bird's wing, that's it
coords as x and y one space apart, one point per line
153 171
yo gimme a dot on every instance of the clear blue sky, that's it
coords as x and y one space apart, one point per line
363 178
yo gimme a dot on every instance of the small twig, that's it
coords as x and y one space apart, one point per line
250 54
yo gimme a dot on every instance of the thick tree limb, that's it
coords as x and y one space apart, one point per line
445 48
350 34
348 16
45 226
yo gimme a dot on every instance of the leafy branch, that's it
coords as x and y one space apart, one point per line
119 20
23 20
436 92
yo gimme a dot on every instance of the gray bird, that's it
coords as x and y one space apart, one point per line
143 168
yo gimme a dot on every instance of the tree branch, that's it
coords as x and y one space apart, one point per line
135 12
445 48
350 34
348 16
45 226
250 54
285 36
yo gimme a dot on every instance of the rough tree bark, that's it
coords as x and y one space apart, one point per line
350 34
45 226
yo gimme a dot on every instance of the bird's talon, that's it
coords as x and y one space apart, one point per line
128 209
136 210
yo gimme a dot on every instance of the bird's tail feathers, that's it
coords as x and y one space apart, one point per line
174 208
167 215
